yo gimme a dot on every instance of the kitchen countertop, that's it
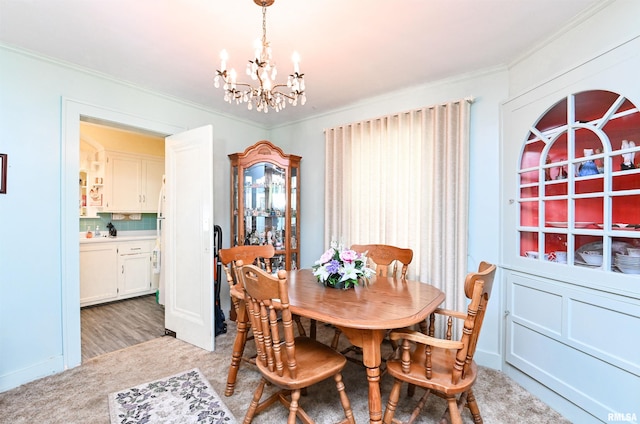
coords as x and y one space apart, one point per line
123 236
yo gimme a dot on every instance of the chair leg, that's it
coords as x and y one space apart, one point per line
293 406
421 403
236 356
344 399
301 329
312 329
454 412
253 406
336 339
473 407
392 403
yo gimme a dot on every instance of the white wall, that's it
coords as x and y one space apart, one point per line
34 265
489 88
612 23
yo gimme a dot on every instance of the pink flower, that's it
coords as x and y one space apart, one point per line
326 257
348 255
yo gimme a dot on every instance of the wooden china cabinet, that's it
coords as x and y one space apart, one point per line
265 202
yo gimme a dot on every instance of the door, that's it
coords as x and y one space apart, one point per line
189 293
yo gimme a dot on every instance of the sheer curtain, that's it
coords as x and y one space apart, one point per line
403 180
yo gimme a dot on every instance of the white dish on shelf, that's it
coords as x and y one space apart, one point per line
557 224
592 257
628 269
579 261
560 224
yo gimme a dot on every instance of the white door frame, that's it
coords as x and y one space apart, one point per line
72 113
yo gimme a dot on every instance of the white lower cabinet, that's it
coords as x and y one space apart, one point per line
134 268
98 273
115 270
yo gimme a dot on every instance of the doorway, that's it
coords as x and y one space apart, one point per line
111 322
73 113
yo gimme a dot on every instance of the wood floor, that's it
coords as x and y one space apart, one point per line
113 326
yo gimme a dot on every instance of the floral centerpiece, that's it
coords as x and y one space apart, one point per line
341 268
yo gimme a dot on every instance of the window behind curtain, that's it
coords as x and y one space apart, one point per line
402 179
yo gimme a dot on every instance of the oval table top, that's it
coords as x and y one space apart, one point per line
382 304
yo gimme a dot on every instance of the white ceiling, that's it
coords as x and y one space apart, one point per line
350 49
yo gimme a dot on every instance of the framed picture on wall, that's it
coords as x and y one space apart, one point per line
3 173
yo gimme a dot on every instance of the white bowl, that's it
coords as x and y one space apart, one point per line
628 269
592 258
633 251
627 259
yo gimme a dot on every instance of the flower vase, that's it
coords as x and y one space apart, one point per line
338 285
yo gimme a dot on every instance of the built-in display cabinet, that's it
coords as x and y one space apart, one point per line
579 176
570 216
265 202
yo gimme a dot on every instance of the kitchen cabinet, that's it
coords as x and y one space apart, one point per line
265 202
132 182
115 270
134 268
98 272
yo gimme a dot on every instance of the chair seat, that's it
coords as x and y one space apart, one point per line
442 364
316 362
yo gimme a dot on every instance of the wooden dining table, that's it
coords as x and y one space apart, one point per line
364 314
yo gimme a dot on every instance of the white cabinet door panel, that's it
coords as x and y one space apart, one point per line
134 273
98 273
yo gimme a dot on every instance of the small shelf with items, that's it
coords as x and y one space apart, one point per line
579 184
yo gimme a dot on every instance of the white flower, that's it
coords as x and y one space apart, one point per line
321 273
350 272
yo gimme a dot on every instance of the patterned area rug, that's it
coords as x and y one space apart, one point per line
182 398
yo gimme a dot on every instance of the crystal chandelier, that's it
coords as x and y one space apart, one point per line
264 92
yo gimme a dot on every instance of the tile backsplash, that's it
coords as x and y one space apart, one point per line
148 222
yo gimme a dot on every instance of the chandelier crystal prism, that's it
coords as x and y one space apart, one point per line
263 93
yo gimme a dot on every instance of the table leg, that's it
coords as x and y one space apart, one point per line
370 341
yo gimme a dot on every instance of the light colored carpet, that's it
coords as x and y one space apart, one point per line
80 395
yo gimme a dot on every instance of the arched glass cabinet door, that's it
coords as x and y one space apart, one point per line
579 184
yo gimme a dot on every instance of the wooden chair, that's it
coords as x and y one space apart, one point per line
388 261
291 364
229 258
444 367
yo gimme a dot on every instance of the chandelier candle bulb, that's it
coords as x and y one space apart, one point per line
296 62
223 60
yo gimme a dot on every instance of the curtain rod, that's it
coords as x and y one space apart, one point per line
468 99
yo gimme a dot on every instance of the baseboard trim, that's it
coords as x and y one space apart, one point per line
43 369
559 403
488 359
